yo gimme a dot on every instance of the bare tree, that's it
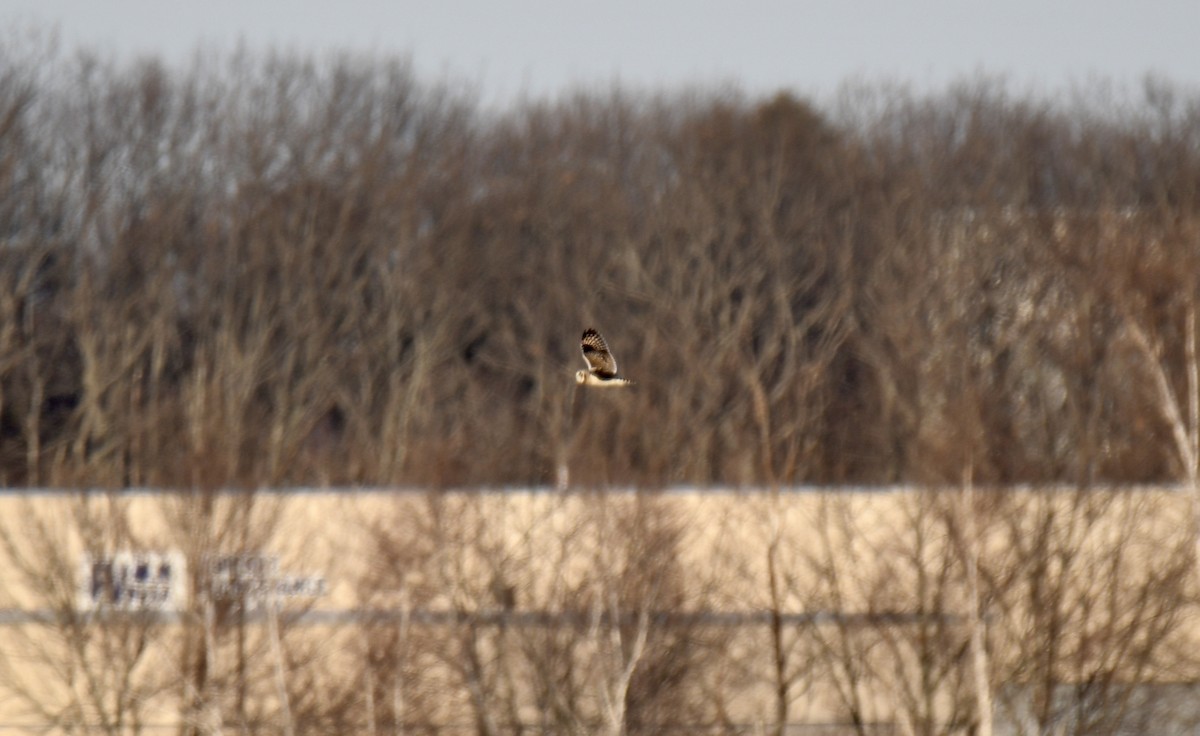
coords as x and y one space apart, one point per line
76 667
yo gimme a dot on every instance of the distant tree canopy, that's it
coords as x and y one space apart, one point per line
286 270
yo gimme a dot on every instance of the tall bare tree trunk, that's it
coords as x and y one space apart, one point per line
1186 431
979 655
285 707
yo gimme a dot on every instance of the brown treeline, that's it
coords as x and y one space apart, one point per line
274 270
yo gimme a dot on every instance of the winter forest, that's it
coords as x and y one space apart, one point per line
271 271
267 270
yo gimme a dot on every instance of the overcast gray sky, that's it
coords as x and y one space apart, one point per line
539 47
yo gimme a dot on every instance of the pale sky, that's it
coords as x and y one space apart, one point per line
541 47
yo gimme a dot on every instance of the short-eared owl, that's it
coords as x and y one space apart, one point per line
602 366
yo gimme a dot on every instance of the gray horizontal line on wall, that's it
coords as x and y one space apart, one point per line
523 619
418 491
793 728
551 490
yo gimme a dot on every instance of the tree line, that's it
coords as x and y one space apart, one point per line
273 270
268 269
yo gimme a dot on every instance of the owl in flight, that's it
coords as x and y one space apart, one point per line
602 366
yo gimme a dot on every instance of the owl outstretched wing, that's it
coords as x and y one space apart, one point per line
595 351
